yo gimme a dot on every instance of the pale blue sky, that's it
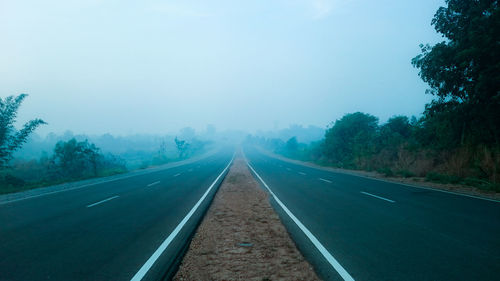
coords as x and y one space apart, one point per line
97 66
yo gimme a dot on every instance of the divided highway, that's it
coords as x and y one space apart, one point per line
127 229
356 228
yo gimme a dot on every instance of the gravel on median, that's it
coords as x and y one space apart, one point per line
242 238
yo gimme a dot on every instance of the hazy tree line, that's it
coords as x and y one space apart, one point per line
56 159
457 139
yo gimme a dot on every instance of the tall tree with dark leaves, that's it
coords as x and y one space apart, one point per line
463 71
10 138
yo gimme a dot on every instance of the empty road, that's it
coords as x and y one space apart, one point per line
127 229
356 228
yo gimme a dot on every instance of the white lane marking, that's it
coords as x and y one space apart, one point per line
369 194
322 179
89 184
176 175
66 189
302 173
102 201
325 169
333 262
288 169
154 183
149 263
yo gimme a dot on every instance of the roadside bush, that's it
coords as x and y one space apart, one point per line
386 172
405 173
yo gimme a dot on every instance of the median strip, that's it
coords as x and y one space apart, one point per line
102 201
242 238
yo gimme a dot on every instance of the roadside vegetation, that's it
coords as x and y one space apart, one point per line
457 138
65 158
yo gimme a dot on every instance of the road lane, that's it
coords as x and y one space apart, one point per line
56 237
422 235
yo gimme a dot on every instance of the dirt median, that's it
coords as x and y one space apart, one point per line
242 238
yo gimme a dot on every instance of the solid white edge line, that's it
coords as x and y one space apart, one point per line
321 179
379 197
63 190
102 201
333 262
150 262
153 183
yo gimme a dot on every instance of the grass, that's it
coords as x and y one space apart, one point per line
11 184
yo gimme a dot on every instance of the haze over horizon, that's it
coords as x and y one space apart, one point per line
118 67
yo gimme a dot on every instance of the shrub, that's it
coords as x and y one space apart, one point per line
386 172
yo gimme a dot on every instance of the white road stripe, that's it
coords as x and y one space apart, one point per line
388 200
321 179
176 175
149 263
302 173
333 262
102 201
154 183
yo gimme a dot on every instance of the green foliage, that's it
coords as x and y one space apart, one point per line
459 132
463 71
442 178
73 159
386 172
10 138
405 173
350 138
182 147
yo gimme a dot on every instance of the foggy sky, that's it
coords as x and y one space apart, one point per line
98 66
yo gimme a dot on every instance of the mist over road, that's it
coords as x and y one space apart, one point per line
378 230
107 231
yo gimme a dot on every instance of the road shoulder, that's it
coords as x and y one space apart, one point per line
413 182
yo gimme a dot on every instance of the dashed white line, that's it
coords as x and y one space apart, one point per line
322 179
176 175
154 183
150 262
102 201
333 262
379 197
302 173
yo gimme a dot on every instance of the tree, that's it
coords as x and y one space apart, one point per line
292 144
73 159
11 139
464 70
182 147
350 138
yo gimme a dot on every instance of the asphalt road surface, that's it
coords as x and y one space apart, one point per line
375 230
127 229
